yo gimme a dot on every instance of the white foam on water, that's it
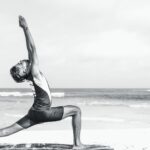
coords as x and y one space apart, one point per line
139 106
96 103
58 94
103 119
20 94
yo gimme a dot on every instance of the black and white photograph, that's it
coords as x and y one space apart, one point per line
75 75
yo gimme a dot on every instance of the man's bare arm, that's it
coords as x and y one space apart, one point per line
30 47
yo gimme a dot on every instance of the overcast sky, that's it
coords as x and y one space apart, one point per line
80 43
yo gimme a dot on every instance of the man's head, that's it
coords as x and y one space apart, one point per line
21 71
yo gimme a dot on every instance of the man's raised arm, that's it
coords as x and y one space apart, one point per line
30 46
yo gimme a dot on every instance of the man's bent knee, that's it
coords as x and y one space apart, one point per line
71 110
77 110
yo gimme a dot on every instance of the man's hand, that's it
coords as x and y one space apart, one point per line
22 22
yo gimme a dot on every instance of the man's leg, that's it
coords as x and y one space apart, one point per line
10 130
23 123
75 113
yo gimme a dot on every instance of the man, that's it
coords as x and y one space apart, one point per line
41 110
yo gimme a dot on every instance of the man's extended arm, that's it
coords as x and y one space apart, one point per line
30 46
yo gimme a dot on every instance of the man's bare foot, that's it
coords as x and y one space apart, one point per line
78 147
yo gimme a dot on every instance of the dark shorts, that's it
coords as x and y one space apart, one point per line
35 116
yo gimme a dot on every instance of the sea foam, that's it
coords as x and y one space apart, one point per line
105 119
58 94
21 94
140 105
16 94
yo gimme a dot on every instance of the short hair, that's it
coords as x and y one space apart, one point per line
14 71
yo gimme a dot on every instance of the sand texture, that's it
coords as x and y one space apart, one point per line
46 146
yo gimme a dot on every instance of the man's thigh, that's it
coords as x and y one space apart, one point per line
70 110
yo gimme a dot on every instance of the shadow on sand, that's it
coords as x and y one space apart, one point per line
47 146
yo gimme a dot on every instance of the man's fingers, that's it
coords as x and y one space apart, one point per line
21 18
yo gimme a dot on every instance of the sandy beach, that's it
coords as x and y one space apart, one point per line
121 139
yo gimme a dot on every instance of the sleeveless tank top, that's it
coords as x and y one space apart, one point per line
42 100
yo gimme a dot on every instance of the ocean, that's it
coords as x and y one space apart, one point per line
101 108
127 97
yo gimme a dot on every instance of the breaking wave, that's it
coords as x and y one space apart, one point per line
21 94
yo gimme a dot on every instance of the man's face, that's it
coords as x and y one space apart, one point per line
21 68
